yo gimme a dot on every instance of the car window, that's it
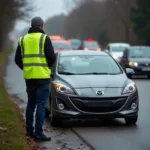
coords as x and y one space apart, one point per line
76 43
140 52
118 48
62 46
91 45
88 64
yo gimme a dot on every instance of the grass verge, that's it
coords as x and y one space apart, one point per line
12 129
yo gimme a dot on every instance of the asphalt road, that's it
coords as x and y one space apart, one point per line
92 134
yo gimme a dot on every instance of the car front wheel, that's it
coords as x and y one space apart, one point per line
55 121
47 112
131 120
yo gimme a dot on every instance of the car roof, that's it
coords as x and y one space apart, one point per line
119 44
82 52
93 41
139 46
74 40
60 41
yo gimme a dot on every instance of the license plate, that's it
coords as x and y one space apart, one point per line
99 104
146 69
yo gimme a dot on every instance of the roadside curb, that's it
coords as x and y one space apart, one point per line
82 139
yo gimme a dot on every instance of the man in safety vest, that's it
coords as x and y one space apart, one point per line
35 55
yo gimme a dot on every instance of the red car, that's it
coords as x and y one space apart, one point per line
61 45
91 45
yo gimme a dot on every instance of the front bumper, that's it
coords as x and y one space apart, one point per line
81 108
141 70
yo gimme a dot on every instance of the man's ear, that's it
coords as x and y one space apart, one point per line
42 26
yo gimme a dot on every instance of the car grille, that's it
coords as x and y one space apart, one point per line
144 64
98 105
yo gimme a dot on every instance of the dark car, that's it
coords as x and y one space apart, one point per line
137 58
91 85
76 44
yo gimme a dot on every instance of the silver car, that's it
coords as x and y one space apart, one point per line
91 84
116 50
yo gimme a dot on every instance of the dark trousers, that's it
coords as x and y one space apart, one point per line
37 98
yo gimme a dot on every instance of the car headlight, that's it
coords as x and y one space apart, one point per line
133 64
63 88
130 88
130 63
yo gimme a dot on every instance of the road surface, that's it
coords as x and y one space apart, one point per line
90 135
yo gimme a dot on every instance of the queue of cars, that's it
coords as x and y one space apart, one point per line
135 57
60 43
87 82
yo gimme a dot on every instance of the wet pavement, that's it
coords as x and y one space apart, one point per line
89 135
62 138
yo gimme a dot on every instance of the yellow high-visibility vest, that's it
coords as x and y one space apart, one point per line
34 61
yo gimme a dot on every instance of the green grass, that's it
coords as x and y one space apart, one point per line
12 137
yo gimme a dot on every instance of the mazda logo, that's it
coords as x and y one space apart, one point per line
100 93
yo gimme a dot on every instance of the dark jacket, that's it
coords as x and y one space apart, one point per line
50 57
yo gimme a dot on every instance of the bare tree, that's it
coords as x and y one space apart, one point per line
95 18
10 11
121 10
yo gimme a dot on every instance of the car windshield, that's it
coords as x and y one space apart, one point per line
91 45
79 65
76 43
118 48
140 52
62 46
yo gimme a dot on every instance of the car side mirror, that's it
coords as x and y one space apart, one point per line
129 71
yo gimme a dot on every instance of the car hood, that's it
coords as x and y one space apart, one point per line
91 81
140 60
118 54
88 85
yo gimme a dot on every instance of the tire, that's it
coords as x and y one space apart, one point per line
47 113
55 121
131 120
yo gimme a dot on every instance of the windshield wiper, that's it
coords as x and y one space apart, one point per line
66 73
94 73
99 73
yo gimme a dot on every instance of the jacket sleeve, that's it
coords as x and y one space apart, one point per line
18 57
49 52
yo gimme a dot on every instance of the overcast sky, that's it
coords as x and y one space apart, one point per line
44 9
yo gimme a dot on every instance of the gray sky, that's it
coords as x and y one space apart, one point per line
44 9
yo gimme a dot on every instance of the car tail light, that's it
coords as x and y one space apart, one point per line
68 41
85 49
90 40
